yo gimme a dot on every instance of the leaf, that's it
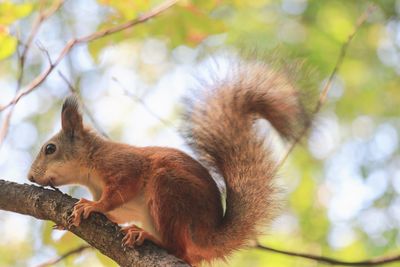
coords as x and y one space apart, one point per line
46 234
8 44
10 12
106 261
127 9
192 26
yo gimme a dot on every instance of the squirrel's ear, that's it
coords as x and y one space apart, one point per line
71 118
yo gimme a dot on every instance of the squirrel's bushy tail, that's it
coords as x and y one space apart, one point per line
219 128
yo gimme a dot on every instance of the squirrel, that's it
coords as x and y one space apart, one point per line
171 194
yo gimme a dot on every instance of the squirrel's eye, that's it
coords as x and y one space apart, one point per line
50 149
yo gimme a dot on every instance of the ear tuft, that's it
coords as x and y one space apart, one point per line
71 118
71 103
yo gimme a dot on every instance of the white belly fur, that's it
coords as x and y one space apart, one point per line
134 211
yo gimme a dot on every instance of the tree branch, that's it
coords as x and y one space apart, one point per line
322 97
43 15
77 250
5 125
97 230
371 262
139 100
86 39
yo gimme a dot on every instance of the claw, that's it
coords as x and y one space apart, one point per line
58 227
70 219
134 236
82 207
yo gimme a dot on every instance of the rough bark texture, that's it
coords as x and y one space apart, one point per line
97 230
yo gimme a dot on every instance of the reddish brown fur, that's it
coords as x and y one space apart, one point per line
171 192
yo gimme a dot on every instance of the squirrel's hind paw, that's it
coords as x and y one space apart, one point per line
135 236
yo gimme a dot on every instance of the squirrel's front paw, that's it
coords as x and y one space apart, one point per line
82 207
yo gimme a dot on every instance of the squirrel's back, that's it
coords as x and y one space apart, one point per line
218 126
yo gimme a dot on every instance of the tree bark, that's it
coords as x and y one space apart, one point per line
97 230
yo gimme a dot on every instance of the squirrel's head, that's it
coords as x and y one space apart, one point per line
58 159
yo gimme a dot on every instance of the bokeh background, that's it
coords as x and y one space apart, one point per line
341 194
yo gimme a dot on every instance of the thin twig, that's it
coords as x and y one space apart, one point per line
84 107
43 16
331 261
322 98
45 51
141 102
85 39
5 125
77 250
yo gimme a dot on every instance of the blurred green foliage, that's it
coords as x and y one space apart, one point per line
367 86
9 13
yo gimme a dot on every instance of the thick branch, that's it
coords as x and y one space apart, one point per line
46 204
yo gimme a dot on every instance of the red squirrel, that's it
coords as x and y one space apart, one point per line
172 194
